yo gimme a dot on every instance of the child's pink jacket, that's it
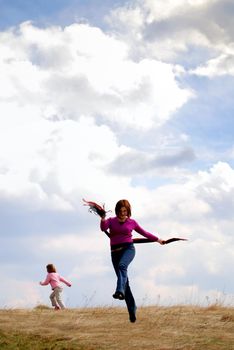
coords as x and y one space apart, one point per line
54 279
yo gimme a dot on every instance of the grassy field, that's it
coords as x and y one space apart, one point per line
161 328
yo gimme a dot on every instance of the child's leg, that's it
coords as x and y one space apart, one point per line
53 299
58 292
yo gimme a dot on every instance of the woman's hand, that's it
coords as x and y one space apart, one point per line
160 241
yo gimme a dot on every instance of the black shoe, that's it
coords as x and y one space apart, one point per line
118 295
132 316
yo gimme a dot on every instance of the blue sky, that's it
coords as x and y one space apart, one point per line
56 12
106 100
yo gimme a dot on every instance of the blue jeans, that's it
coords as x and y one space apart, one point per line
120 260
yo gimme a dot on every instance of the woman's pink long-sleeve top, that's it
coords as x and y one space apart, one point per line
54 279
121 232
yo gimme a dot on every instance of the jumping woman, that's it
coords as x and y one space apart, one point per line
120 230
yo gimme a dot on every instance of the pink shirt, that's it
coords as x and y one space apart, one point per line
122 232
54 279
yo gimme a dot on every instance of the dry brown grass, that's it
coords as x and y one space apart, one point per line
161 328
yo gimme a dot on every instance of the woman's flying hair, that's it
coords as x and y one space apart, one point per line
123 203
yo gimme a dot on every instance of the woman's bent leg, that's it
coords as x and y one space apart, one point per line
121 261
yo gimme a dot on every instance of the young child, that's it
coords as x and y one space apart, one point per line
54 279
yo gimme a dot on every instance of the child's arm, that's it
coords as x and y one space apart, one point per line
47 281
62 279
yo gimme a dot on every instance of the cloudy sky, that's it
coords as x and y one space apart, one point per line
106 100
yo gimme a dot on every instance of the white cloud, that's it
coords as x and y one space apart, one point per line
219 66
161 10
28 294
54 86
75 243
168 30
216 188
61 74
132 162
184 272
180 295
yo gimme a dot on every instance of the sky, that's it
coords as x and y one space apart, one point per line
105 100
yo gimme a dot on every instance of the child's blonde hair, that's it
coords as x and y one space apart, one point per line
50 268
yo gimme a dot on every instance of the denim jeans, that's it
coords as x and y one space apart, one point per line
120 260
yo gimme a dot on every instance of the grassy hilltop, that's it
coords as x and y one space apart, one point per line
157 328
